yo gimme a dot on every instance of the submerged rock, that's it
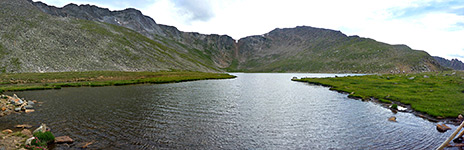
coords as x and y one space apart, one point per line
393 118
443 128
23 126
63 139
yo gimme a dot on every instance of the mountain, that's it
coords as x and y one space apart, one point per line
453 63
322 50
33 41
36 37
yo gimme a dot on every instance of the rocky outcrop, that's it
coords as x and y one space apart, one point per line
453 63
14 104
129 18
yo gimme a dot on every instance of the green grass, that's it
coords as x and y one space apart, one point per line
57 80
437 94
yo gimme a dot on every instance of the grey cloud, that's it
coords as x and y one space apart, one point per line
198 10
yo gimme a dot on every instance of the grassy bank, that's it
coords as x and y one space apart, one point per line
57 80
437 94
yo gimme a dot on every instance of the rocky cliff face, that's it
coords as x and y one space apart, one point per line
453 63
129 18
33 41
47 40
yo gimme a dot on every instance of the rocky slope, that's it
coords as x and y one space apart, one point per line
33 41
453 63
85 37
212 50
303 49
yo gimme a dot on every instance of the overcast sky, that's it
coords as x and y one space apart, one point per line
436 26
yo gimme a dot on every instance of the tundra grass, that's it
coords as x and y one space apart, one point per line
57 80
439 94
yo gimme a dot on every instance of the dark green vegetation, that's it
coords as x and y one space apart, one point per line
36 37
437 94
57 80
45 137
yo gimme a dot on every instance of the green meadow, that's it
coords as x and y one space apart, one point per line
439 94
57 80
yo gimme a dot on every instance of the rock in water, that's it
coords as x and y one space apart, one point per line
7 131
23 126
30 103
63 139
28 107
443 128
29 110
42 128
392 119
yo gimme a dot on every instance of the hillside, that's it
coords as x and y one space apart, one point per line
308 49
33 41
36 37
453 63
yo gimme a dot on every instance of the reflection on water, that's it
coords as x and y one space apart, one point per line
253 111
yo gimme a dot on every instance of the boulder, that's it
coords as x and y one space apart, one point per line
42 128
411 78
18 102
7 131
29 141
63 139
29 110
17 109
28 107
460 116
443 128
393 118
3 108
26 132
30 103
24 126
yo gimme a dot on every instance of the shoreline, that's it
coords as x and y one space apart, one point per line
58 80
448 120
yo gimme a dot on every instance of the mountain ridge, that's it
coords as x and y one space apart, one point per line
299 49
453 63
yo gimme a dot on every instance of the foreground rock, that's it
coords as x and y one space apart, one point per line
11 140
63 139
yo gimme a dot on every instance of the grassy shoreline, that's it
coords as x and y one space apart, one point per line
438 94
57 80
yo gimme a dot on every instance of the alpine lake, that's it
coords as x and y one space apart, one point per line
252 111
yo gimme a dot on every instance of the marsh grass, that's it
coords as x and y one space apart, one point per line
438 94
57 80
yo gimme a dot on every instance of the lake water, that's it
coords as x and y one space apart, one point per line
252 111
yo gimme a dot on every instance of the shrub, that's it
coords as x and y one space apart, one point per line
45 136
36 144
394 106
